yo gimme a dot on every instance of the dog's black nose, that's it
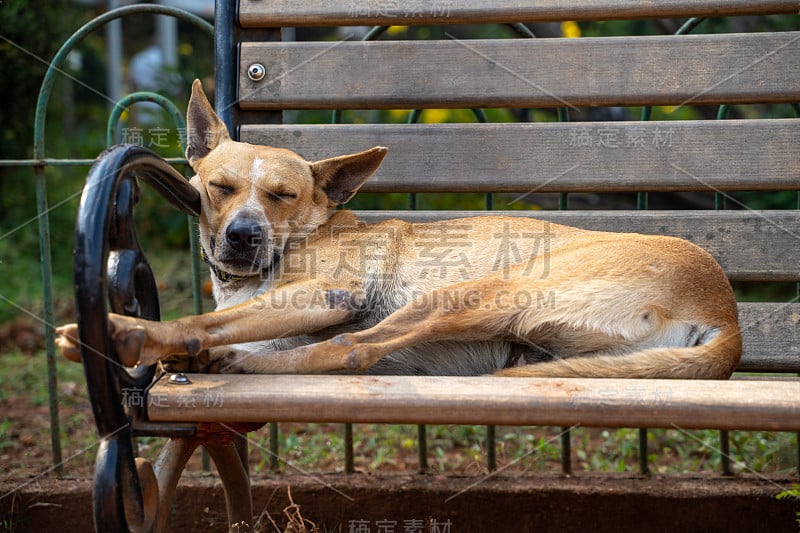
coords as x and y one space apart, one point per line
244 235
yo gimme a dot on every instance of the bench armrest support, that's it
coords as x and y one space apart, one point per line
110 266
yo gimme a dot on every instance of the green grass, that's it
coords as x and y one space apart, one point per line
792 494
26 375
462 449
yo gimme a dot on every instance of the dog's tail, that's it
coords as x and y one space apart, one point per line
715 359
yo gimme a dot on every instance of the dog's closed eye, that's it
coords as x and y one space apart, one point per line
222 188
283 196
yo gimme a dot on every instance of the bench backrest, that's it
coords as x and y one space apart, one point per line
521 159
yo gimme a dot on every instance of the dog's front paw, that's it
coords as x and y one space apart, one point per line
127 334
200 364
130 337
145 342
67 341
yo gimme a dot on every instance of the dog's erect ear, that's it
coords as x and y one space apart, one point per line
341 177
204 129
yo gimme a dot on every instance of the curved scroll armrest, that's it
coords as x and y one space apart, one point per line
110 267
109 264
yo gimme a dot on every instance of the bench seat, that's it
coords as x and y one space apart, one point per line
767 404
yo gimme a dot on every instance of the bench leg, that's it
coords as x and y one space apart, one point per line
236 482
168 469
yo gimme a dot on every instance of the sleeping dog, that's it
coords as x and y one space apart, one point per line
304 287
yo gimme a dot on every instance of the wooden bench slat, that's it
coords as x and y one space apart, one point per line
750 245
656 70
770 337
560 157
689 404
279 13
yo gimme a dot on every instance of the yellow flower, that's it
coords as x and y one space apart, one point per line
435 116
570 28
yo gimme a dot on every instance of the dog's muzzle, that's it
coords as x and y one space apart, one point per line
244 247
244 235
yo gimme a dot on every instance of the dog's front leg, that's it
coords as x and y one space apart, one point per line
295 309
458 312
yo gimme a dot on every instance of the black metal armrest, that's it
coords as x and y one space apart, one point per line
110 267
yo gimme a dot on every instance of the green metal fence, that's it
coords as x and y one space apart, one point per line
39 162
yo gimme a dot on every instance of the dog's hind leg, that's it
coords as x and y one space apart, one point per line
468 312
636 337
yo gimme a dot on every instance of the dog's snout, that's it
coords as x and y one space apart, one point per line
244 235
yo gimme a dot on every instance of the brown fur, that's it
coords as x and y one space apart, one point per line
318 291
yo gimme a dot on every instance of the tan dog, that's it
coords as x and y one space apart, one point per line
304 288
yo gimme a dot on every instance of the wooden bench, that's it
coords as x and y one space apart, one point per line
271 75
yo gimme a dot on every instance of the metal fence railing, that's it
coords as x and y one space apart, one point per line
39 162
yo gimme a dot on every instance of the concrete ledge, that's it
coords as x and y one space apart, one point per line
537 503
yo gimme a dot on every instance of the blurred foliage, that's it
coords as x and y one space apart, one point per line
78 110
76 124
28 39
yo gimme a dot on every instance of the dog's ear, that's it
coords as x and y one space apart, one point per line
204 129
341 177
